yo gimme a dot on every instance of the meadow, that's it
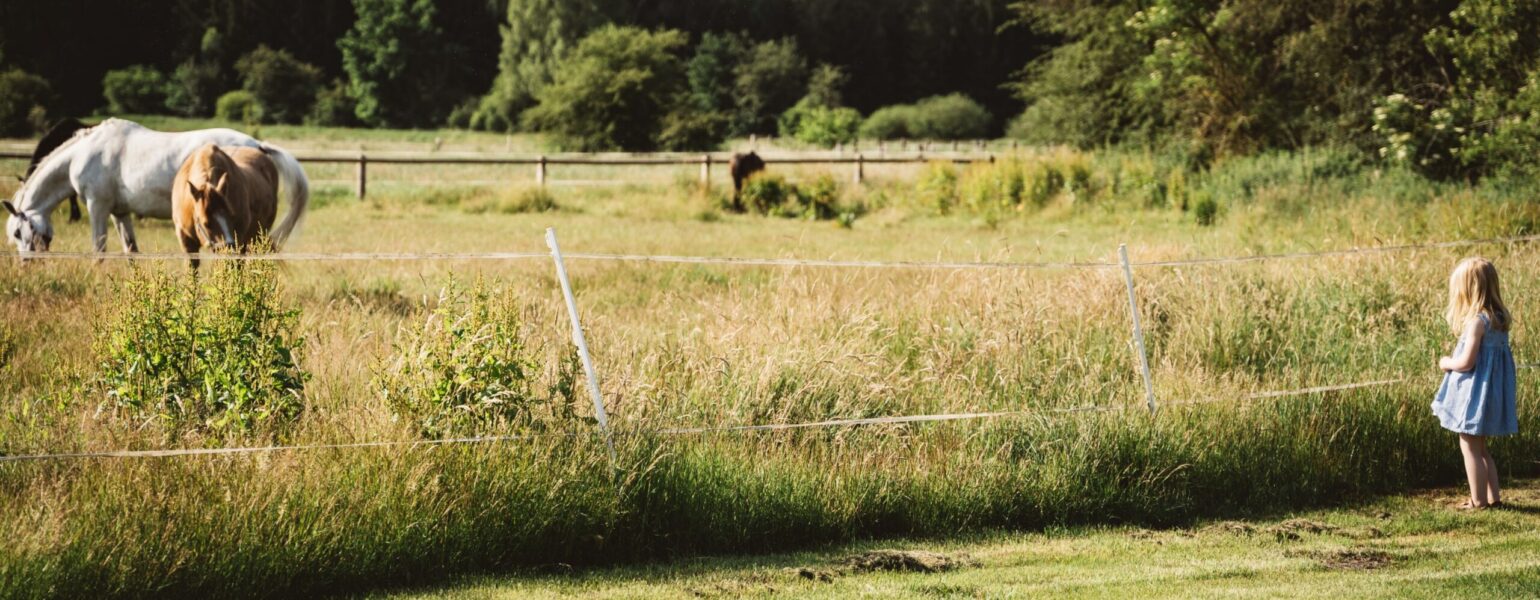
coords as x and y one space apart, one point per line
688 345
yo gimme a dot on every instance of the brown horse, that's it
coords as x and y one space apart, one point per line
742 166
224 199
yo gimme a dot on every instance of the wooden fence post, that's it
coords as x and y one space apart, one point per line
363 175
540 172
860 168
705 172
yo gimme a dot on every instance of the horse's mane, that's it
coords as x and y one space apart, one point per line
62 132
58 147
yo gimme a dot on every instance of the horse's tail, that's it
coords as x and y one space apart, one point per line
293 186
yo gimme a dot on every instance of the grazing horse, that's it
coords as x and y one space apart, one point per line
122 169
60 133
742 166
224 199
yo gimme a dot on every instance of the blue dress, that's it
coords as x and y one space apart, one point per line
1481 401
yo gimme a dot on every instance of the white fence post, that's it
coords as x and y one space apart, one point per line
582 344
1133 311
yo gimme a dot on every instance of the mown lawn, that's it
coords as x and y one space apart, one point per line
1412 546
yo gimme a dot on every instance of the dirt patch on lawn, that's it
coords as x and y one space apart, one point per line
916 561
1360 559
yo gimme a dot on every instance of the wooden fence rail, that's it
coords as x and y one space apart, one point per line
542 163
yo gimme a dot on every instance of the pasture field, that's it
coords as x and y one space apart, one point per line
692 345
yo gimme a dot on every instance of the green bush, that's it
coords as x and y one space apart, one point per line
938 187
613 91
216 354
238 106
334 107
136 90
951 117
283 86
764 193
889 123
400 65
820 125
23 101
1205 210
774 196
467 370
194 88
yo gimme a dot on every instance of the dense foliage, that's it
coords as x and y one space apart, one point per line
283 86
400 63
613 90
24 98
138 89
216 356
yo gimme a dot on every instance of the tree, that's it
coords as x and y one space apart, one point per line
397 61
712 71
613 91
536 34
772 77
284 87
24 98
198 82
139 89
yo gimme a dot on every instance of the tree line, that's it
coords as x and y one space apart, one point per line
1447 87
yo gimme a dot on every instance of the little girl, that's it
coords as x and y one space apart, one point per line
1476 399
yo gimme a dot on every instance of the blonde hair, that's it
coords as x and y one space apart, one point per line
1473 290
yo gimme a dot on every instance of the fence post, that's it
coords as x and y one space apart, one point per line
582 344
540 172
363 175
705 172
860 168
1133 311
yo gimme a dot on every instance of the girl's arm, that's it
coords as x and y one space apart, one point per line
1466 360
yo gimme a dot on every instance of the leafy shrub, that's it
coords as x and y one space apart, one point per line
136 90
772 195
23 98
951 117
938 186
194 88
994 186
1205 210
217 355
238 106
466 369
889 123
613 90
820 125
283 86
686 130
763 193
334 107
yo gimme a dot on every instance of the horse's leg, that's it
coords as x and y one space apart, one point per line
125 225
98 229
191 244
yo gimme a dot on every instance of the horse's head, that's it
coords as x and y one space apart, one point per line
27 232
211 213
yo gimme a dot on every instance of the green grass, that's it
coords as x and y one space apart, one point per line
695 345
1397 547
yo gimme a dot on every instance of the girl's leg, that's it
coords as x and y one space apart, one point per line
1475 468
1493 491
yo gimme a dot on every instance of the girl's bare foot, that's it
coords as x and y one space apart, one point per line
1469 504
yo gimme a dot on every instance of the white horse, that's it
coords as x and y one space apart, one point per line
122 169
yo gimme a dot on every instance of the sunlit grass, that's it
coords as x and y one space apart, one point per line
705 345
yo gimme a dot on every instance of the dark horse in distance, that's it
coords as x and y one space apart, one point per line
742 166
